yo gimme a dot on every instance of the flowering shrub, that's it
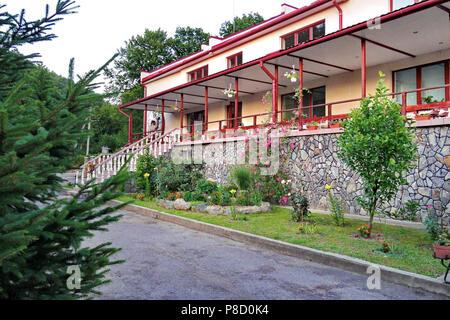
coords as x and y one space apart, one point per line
433 227
386 246
174 196
140 196
190 196
364 231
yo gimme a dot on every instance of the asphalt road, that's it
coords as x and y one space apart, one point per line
169 262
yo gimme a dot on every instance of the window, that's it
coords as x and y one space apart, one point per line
303 35
397 4
234 60
193 120
230 115
198 74
315 97
426 76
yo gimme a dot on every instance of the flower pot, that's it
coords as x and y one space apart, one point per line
336 125
212 138
426 117
230 95
441 252
293 79
313 127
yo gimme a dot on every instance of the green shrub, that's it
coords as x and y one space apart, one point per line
242 177
336 207
407 213
247 198
206 187
178 177
190 196
147 164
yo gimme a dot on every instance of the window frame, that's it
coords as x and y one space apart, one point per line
194 72
235 56
419 78
296 32
310 100
391 4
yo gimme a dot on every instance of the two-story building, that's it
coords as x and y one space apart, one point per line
333 51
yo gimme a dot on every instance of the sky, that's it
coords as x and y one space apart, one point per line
101 27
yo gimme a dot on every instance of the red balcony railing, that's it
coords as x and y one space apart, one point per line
300 119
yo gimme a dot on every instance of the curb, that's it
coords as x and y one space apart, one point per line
393 275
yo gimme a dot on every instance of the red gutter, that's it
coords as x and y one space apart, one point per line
341 17
388 17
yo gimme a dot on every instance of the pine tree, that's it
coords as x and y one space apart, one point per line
41 118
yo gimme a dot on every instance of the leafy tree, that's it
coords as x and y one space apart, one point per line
238 24
378 144
40 124
142 52
187 41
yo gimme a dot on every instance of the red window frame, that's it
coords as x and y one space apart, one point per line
296 32
204 71
236 55
391 4
419 78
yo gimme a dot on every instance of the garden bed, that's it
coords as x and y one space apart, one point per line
214 210
415 244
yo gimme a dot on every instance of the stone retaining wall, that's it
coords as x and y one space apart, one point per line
314 160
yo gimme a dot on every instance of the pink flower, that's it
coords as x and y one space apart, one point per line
292 146
429 207
278 179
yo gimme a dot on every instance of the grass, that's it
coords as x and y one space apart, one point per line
413 244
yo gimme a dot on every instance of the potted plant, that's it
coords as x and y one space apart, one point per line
312 126
292 75
229 92
441 246
336 123
423 116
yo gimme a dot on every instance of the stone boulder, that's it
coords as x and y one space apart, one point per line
200 208
214 210
165 204
180 204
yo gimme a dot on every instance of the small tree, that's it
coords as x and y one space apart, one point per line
378 144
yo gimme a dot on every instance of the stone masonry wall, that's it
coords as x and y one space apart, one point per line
314 161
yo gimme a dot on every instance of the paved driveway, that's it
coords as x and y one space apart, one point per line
166 261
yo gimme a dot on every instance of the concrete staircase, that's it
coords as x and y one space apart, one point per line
104 166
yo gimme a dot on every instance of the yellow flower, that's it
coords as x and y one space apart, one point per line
146 175
328 187
233 191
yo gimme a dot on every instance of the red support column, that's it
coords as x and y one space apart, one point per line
181 112
363 69
236 102
447 80
163 118
300 87
145 122
131 126
276 94
206 110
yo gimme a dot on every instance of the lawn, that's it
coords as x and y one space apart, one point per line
413 245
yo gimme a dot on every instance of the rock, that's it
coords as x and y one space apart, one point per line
266 207
351 187
200 208
248 209
180 204
215 210
425 192
303 155
165 204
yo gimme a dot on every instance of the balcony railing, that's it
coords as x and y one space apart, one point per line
300 120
